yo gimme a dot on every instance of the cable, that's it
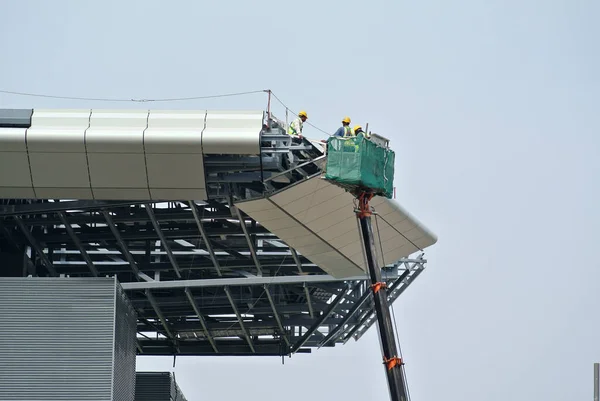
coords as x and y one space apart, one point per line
383 265
175 99
395 229
293 112
379 239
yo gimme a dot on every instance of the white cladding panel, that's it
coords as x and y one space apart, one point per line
115 150
300 238
121 154
56 149
232 132
15 176
116 131
173 142
392 221
317 218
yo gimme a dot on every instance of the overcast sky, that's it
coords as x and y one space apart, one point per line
492 108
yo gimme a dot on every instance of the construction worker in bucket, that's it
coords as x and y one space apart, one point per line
344 130
358 130
296 125
351 144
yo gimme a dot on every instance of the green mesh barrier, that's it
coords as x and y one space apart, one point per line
356 162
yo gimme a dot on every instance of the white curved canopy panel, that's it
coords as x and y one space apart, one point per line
120 154
232 132
56 150
317 218
15 176
115 154
174 160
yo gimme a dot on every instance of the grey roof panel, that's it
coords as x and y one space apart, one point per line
15 118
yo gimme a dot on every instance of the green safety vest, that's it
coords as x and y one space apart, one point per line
292 129
347 131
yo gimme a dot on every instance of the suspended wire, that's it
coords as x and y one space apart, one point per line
405 237
100 99
379 238
293 112
172 99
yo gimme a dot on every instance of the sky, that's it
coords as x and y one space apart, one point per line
489 106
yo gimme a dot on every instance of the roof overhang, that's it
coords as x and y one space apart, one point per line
317 218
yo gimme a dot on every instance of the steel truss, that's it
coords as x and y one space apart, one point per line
205 278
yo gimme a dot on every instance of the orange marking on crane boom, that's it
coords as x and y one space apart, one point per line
393 362
378 286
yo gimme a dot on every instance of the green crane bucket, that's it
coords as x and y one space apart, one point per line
357 163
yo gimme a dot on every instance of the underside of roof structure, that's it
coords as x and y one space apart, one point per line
217 224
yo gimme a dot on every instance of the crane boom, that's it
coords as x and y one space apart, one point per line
393 364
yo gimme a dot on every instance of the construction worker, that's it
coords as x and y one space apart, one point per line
296 125
344 130
358 130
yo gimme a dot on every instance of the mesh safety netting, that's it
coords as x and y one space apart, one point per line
356 163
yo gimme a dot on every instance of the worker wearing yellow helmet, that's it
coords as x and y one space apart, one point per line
296 125
358 130
344 130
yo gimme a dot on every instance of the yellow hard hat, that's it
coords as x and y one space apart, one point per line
302 114
346 120
356 128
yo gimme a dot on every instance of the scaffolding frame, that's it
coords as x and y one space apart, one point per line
204 278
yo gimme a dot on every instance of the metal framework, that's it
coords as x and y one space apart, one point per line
205 278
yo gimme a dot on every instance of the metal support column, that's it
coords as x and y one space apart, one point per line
393 364
596 382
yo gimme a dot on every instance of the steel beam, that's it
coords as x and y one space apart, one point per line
313 161
160 315
36 245
12 241
393 295
242 281
339 330
192 301
205 239
238 212
188 231
51 207
224 322
276 315
308 301
133 216
197 267
296 259
300 343
163 240
121 243
240 320
229 347
78 244
285 150
330 338
394 291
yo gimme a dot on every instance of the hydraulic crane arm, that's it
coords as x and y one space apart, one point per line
393 364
